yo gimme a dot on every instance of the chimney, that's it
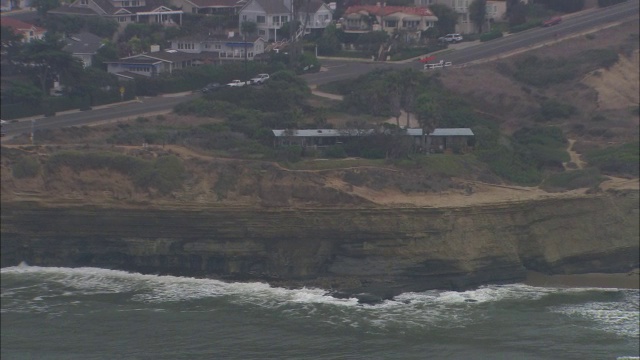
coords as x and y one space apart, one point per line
154 48
231 34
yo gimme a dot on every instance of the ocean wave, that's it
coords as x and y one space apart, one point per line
31 288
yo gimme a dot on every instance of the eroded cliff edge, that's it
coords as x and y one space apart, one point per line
377 250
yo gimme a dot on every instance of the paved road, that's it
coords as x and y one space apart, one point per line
573 24
106 113
464 53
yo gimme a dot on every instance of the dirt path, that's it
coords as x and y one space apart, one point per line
575 158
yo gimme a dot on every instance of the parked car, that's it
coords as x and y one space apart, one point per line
211 88
553 21
237 83
451 38
259 79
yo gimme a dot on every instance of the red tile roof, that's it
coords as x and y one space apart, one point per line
19 25
388 10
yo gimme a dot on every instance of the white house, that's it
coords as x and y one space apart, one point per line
270 15
123 11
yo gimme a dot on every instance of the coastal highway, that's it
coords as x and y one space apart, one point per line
459 55
571 25
110 112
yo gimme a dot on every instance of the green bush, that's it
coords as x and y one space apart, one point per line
490 35
552 109
26 167
574 179
537 71
618 160
335 152
526 26
163 174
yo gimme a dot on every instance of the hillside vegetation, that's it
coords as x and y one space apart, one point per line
574 98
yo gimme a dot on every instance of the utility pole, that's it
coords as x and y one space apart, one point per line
246 58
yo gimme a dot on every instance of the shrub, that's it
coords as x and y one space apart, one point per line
336 152
490 35
552 109
26 167
618 160
574 179
526 26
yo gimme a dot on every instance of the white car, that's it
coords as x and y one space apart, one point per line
236 83
451 38
259 79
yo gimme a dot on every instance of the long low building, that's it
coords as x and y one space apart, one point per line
440 140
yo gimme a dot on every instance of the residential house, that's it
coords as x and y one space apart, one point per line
157 62
440 140
83 46
270 15
365 18
123 11
225 47
209 7
496 11
28 31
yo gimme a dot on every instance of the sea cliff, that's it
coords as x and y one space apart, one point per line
381 251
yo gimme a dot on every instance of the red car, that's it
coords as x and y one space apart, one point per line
553 21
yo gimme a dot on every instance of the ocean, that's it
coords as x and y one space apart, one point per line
90 313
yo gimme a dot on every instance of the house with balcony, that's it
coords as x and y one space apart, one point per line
270 15
209 7
123 11
366 18
223 47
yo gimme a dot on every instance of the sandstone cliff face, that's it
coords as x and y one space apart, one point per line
379 250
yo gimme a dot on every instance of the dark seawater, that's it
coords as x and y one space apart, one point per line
88 313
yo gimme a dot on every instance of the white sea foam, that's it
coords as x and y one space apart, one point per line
447 309
617 318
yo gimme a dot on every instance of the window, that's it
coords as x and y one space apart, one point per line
276 20
122 19
391 23
410 24
261 19
84 2
261 32
284 19
244 17
218 46
135 3
125 3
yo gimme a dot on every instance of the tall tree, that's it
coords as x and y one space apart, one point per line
429 115
447 18
11 42
46 60
42 6
478 13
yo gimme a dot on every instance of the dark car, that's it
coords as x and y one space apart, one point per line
553 21
211 88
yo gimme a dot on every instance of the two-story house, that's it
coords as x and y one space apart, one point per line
365 18
28 31
495 12
270 15
123 11
209 7
225 47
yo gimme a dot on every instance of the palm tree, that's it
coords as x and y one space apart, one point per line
429 114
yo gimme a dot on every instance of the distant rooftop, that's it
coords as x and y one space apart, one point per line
361 132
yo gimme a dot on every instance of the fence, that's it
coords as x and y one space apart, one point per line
437 65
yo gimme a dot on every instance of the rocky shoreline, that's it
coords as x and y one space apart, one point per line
373 253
